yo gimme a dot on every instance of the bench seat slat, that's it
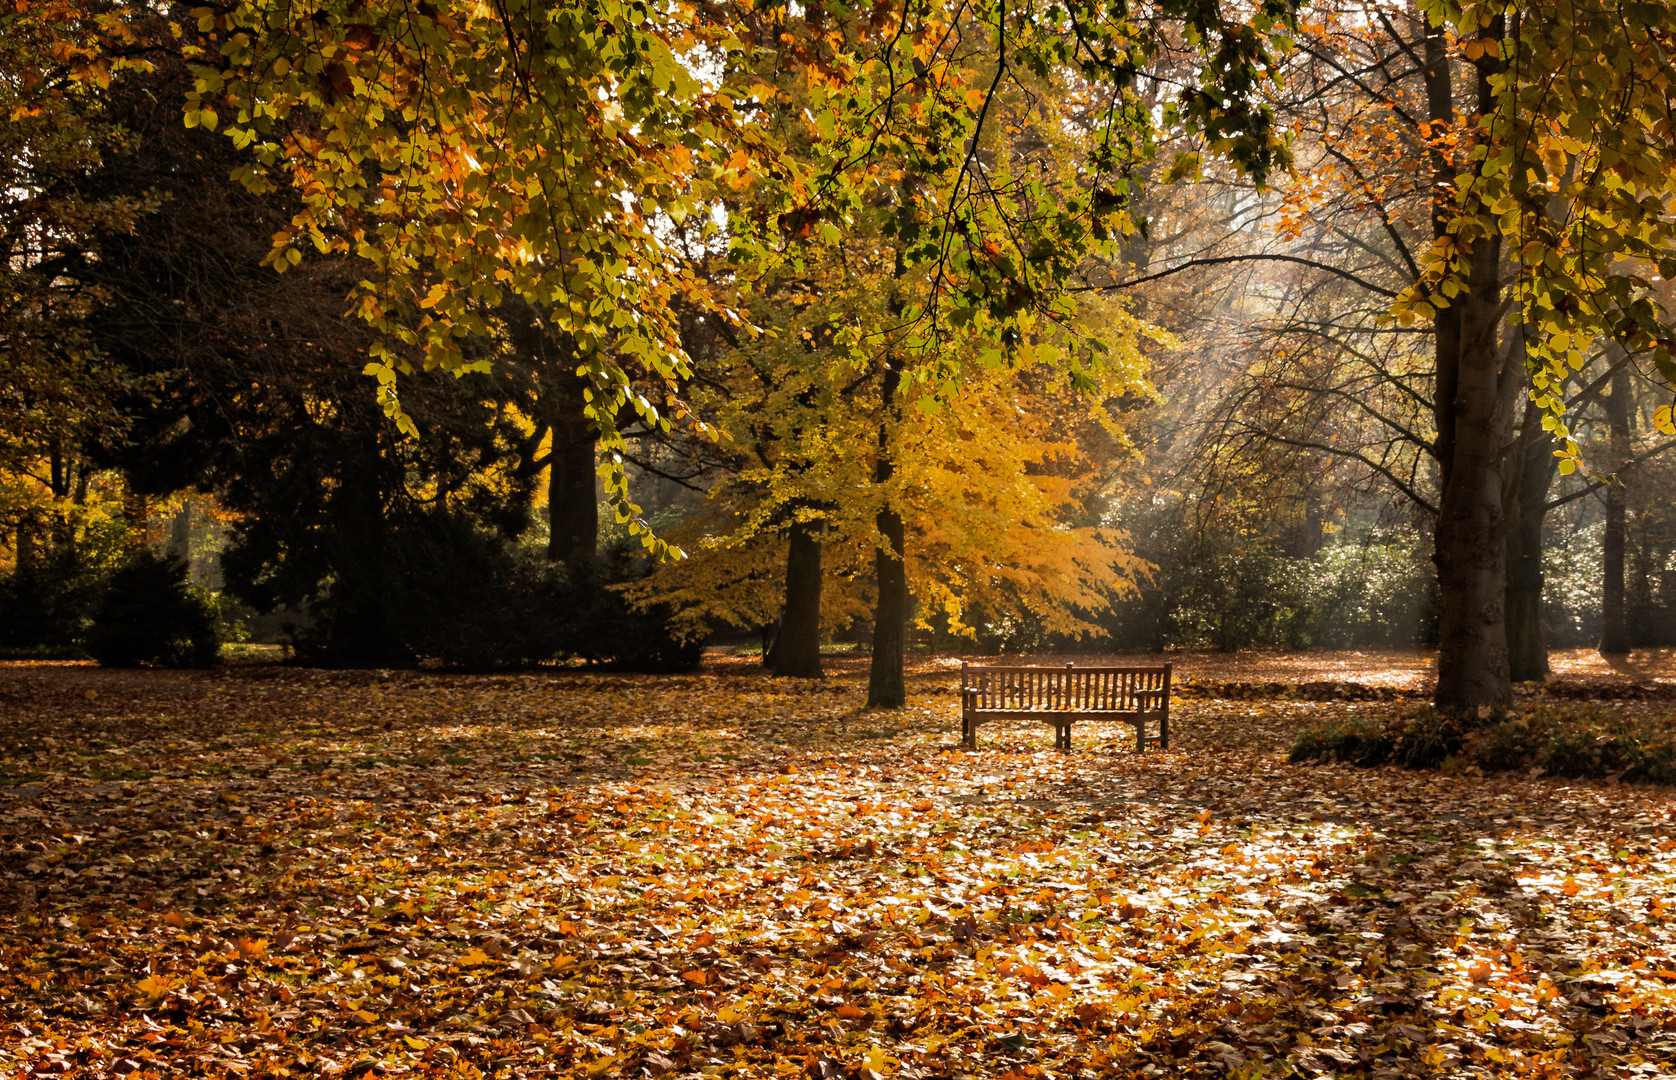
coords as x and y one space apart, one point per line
1058 696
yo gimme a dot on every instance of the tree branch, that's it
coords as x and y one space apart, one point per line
1224 260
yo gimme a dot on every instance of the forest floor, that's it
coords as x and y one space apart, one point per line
266 871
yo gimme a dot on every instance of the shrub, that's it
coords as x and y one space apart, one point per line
1571 588
1359 742
1426 740
604 628
47 603
1355 595
1501 747
1573 740
149 615
1347 595
443 590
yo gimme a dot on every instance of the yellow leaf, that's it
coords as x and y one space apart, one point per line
475 958
155 986
369 1017
417 1044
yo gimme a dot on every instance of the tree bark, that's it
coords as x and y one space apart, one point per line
797 647
1526 649
572 497
1614 624
886 688
1475 407
572 458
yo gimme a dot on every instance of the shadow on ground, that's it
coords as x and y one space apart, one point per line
266 871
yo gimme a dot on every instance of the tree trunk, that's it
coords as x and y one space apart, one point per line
1526 649
797 647
28 529
886 688
136 514
180 533
571 462
1614 625
572 498
1474 402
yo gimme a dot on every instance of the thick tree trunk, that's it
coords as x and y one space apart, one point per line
362 632
797 647
572 497
1614 624
1526 649
572 461
1475 406
886 688
1473 667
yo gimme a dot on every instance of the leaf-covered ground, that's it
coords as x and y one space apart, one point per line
264 871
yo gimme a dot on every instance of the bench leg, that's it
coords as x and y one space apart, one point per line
1164 732
968 733
1140 735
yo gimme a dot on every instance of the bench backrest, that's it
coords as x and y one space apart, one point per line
1102 689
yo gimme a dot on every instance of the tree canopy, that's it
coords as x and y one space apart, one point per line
790 255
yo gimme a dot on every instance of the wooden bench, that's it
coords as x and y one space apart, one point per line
1060 696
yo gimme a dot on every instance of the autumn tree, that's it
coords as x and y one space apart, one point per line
543 165
57 396
1433 138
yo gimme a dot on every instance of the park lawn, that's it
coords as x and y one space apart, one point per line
266 871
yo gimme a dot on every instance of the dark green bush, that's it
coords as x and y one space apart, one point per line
445 591
1656 761
149 615
1570 752
1501 747
1574 740
1425 740
47 603
1360 742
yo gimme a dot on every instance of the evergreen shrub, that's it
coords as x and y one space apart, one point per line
149 615
1577 740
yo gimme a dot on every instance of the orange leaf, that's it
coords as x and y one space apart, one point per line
851 1012
696 977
